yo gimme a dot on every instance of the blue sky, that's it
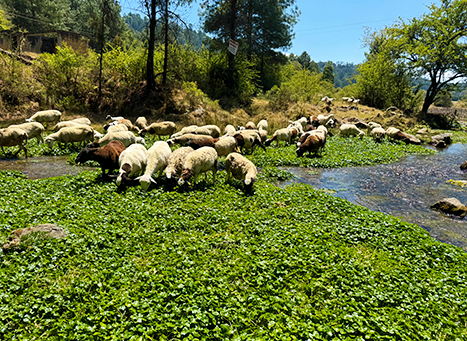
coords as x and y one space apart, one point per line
332 30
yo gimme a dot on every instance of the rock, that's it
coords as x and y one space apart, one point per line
440 144
413 139
450 206
422 131
464 165
440 139
48 230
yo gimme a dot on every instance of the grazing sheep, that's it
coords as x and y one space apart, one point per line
107 156
129 125
82 133
397 135
326 120
82 120
378 134
210 129
327 100
248 140
199 161
47 117
116 128
176 161
229 130
132 162
314 121
250 125
65 124
284 134
262 125
207 142
158 156
127 137
315 143
34 130
141 122
10 137
373 125
185 130
306 134
183 139
223 145
159 129
350 130
297 125
241 169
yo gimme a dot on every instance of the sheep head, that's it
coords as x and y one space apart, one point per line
85 155
186 176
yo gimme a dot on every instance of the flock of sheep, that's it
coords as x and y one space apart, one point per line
200 146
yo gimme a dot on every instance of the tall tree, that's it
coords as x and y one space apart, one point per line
433 46
328 72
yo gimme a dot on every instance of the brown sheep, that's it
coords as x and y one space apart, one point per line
107 156
315 142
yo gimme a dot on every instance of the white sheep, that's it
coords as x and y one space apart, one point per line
114 118
64 124
250 125
11 137
326 120
141 122
199 161
34 130
183 139
226 145
262 125
350 130
248 140
160 129
47 117
82 120
373 125
229 130
185 130
297 125
127 137
378 133
284 134
158 156
132 162
241 169
176 162
210 129
82 133
327 100
116 128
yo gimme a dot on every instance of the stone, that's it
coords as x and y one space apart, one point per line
413 139
422 131
464 165
450 206
48 230
444 138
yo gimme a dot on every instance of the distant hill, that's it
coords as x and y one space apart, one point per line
343 73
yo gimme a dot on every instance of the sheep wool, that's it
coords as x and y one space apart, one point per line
81 133
199 161
127 137
11 137
34 130
242 169
46 117
176 162
158 156
132 162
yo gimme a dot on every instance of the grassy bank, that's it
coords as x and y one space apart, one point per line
214 264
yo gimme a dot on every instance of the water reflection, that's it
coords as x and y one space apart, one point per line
42 167
405 189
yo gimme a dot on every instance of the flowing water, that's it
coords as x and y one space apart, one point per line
405 189
42 167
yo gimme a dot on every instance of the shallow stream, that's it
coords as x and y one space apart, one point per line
405 189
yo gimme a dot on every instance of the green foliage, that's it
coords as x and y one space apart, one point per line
443 99
5 24
328 72
213 263
303 86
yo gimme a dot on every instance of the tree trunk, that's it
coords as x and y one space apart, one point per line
232 25
430 97
166 41
151 45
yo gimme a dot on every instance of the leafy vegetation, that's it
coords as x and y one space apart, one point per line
214 264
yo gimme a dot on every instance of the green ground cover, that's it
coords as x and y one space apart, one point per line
215 264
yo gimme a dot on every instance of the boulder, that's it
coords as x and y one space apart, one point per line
464 165
441 140
450 206
48 231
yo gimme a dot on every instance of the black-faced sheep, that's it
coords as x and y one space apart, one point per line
11 137
82 133
158 156
160 129
132 162
241 169
47 117
199 161
107 156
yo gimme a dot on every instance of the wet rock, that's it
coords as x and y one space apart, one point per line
441 140
450 206
464 165
48 230
422 131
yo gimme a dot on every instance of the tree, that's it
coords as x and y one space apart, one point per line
5 24
38 15
305 60
432 46
328 72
